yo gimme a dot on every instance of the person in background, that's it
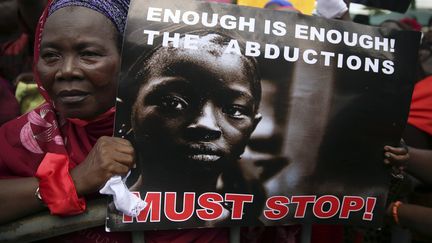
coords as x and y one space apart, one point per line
418 132
414 211
417 163
281 5
333 9
9 107
18 21
397 158
412 23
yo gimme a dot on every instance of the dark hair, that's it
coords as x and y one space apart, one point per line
142 67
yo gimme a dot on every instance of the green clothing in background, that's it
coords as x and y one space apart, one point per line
28 96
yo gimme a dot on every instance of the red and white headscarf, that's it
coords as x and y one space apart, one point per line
26 139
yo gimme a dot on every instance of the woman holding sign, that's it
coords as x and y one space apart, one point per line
62 152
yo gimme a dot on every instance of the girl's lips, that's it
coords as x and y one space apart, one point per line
204 157
203 152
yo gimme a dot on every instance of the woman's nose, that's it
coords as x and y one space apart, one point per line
69 70
205 126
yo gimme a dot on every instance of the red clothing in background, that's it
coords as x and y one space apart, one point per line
9 107
420 114
15 57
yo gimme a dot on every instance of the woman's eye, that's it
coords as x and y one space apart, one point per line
173 103
89 54
236 111
50 56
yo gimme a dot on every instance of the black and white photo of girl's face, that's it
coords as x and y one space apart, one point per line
196 107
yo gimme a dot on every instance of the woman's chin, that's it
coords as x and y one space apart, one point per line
79 113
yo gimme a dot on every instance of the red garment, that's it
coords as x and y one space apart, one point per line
420 114
25 141
275 234
413 23
9 107
212 235
15 57
16 52
327 234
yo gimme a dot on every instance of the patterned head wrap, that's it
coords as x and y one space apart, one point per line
115 10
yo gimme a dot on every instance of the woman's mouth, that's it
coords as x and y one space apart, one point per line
72 96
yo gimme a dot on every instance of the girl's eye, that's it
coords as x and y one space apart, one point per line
173 103
236 111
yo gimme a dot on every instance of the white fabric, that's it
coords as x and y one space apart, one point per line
124 200
330 8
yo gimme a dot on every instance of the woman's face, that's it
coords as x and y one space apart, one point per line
196 108
79 62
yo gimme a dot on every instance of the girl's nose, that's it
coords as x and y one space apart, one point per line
205 126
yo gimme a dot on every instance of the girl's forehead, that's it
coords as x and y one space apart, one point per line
203 70
205 55
200 61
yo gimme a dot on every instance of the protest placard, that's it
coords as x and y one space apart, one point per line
247 116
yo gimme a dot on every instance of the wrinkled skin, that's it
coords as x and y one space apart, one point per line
79 62
78 65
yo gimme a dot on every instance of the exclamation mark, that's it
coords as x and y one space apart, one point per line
370 205
392 45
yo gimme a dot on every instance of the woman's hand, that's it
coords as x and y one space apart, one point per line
109 156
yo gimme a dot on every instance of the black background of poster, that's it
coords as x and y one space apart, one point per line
334 121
